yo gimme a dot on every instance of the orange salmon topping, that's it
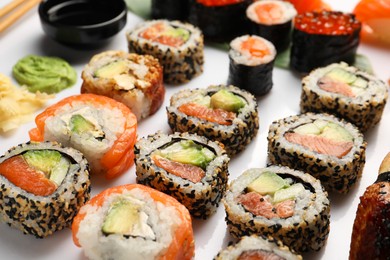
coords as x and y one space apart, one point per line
186 171
218 2
215 115
260 206
17 171
327 84
257 48
258 255
155 33
321 144
268 13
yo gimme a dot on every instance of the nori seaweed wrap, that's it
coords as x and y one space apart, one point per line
170 9
322 38
220 21
371 230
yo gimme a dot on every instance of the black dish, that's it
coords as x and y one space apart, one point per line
82 23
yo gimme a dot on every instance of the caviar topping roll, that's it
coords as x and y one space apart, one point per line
323 38
288 205
135 80
272 20
223 113
191 168
177 45
323 145
251 64
346 92
43 185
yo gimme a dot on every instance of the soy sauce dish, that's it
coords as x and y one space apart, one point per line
82 23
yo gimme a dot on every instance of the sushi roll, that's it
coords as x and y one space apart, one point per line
272 20
330 149
345 92
177 45
288 205
134 222
257 247
190 168
103 129
251 64
323 38
219 20
42 187
170 9
371 230
222 113
135 80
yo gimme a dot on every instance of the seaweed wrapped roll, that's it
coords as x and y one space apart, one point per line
223 113
328 148
177 45
43 186
170 9
286 204
191 168
345 92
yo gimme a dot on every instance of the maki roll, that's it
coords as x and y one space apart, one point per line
272 20
134 222
170 9
190 168
286 204
251 64
371 230
222 113
135 80
219 20
328 148
43 186
257 247
323 38
103 129
346 92
177 45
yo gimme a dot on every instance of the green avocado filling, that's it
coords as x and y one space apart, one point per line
111 69
188 152
325 129
50 162
222 99
177 33
357 83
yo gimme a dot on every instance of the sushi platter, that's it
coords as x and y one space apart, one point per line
26 37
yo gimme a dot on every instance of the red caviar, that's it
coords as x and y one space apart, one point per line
218 2
327 23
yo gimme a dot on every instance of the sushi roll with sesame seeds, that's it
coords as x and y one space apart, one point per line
190 168
346 92
288 205
177 45
223 113
257 247
43 186
329 148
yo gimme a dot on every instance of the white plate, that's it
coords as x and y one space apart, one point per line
26 37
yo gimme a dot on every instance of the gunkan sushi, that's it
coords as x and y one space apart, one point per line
190 168
134 222
286 204
103 129
329 148
345 92
42 187
221 113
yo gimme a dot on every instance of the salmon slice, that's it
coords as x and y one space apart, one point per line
17 171
186 171
259 255
260 206
269 12
321 144
155 33
256 47
327 84
216 115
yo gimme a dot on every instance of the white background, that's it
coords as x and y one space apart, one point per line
26 37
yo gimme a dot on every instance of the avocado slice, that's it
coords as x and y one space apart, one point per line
111 69
267 183
188 152
203 101
341 75
288 193
79 124
308 129
125 217
226 100
336 132
177 33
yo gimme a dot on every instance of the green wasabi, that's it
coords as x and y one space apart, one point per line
44 74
